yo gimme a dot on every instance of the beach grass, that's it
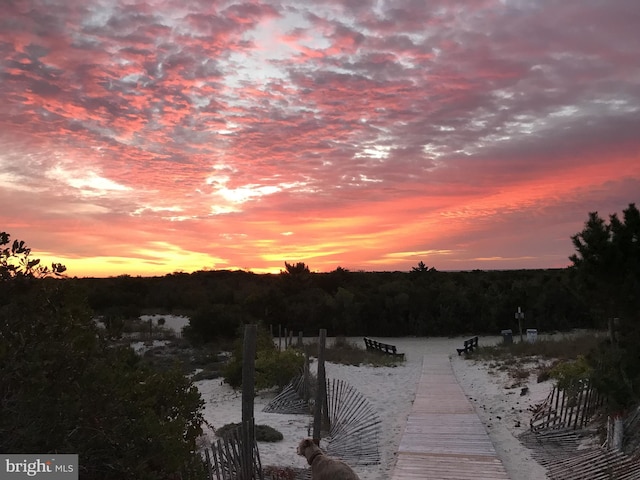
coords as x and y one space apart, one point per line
540 358
345 352
561 348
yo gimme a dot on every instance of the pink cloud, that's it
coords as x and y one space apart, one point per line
360 134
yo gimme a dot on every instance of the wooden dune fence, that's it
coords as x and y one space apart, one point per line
559 452
596 464
228 461
567 408
354 425
557 430
293 399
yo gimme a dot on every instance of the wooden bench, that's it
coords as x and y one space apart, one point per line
469 346
374 346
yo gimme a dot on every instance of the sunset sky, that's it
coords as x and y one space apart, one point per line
146 137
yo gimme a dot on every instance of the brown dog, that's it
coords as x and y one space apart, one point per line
322 466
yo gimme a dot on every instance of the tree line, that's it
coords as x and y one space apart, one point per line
423 302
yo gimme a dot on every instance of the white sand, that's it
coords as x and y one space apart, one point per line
391 391
171 322
504 410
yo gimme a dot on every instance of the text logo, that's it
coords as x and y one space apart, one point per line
49 467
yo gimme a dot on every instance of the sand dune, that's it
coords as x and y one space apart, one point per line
501 406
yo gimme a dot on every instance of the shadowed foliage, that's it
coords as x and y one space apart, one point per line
607 267
65 389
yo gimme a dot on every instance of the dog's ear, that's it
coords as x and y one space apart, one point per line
307 442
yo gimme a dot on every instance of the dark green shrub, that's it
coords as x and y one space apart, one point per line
264 433
276 369
206 375
543 375
569 373
563 348
273 368
65 388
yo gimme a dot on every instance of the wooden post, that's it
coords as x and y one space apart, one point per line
579 402
279 338
299 339
613 330
306 375
290 338
570 408
587 407
617 434
556 418
520 317
321 394
248 392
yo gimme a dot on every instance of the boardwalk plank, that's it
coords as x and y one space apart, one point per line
444 439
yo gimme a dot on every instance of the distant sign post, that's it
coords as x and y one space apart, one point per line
520 318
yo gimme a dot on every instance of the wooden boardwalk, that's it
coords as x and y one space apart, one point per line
444 438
